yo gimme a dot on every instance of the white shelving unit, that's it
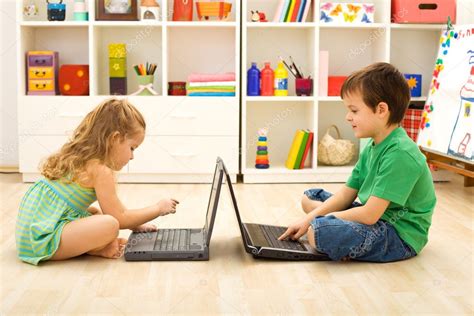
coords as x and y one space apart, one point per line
184 134
410 47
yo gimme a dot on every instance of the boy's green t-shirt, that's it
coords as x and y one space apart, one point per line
396 170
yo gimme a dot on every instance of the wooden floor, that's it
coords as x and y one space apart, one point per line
438 281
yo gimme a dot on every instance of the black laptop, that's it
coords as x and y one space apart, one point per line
178 244
262 240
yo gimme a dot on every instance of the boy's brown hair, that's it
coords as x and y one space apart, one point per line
380 82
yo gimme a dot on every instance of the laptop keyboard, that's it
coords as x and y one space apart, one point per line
273 232
172 240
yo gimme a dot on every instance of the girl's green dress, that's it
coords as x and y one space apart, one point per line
47 206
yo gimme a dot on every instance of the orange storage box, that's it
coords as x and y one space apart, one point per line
74 79
218 9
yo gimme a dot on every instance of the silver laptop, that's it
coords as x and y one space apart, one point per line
262 240
176 243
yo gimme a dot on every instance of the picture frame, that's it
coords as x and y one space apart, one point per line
117 10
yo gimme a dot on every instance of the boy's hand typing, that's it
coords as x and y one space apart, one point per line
297 229
167 206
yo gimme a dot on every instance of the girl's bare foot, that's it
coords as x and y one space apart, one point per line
145 228
113 250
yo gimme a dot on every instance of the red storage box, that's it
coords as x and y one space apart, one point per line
411 122
335 85
423 11
74 79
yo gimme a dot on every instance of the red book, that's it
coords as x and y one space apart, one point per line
306 150
295 11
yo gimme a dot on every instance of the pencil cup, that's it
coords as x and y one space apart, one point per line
145 81
304 86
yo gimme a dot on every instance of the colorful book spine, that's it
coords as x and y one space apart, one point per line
301 150
285 10
306 11
294 15
301 10
309 143
290 11
279 9
295 146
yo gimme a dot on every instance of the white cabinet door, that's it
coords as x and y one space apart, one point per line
190 115
185 154
34 149
56 115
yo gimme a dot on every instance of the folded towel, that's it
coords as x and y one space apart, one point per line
211 88
211 83
229 76
211 94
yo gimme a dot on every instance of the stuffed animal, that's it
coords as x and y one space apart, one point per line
258 16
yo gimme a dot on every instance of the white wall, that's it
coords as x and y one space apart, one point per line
8 80
8 75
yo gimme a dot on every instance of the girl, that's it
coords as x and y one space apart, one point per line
54 220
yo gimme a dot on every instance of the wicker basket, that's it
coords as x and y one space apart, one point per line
335 152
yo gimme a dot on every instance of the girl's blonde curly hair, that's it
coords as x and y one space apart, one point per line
92 139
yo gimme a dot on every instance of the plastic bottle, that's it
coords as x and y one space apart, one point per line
253 81
267 80
281 80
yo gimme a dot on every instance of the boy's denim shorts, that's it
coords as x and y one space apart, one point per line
341 239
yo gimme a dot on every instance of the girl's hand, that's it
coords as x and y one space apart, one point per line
167 206
297 229
145 228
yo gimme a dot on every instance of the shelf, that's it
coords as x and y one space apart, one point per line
418 26
212 24
57 24
353 26
339 99
128 23
330 99
280 25
279 99
278 170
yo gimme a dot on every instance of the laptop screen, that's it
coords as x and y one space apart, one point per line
236 208
213 201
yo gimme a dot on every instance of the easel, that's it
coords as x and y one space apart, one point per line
460 166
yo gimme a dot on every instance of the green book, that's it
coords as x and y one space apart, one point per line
301 151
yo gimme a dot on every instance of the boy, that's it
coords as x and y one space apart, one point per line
391 179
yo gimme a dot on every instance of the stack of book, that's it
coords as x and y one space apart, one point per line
292 11
299 150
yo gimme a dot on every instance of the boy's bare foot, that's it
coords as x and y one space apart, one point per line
113 250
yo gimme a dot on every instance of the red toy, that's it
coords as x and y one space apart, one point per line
258 16
74 79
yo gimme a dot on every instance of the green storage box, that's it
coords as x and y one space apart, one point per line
117 67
